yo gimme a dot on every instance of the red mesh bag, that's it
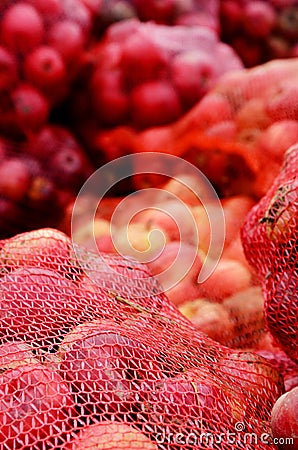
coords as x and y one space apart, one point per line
269 239
41 49
93 353
147 74
287 366
245 123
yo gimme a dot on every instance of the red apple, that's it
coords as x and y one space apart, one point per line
11 216
193 74
228 277
154 103
78 13
8 69
189 188
177 261
231 13
210 318
259 18
210 226
234 250
174 217
142 59
138 241
159 11
35 406
278 137
288 22
235 209
89 232
69 166
52 9
31 107
105 244
245 310
44 68
248 49
41 193
182 290
14 179
22 27
188 402
108 98
283 105
284 420
67 38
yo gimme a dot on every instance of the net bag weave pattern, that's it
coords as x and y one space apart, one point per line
93 355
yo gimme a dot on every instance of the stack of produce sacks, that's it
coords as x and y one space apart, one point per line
93 351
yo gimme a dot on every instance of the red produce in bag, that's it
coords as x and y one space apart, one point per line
87 340
146 74
236 134
269 238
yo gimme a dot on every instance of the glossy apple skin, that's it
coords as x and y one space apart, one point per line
18 34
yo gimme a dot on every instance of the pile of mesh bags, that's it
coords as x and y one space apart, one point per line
93 353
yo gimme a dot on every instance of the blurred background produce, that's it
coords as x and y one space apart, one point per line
108 71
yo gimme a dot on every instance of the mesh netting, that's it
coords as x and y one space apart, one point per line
284 364
146 74
270 243
244 123
92 352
